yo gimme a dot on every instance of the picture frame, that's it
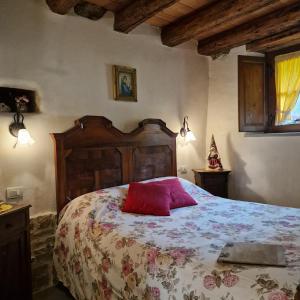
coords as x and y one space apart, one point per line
124 83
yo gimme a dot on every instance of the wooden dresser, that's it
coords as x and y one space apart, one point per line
15 270
213 181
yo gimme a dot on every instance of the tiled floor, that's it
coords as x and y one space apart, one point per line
54 293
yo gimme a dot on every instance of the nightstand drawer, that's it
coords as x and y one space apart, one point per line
220 191
216 179
13 222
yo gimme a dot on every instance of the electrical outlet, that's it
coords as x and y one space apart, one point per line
182 170
14 193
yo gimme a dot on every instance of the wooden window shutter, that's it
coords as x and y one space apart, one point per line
252 93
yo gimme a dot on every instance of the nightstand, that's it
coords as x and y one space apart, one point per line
15 260
213 181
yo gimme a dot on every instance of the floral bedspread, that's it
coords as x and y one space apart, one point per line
102 253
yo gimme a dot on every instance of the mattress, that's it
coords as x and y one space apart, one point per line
103 253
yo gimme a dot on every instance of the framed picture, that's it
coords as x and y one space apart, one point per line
124 83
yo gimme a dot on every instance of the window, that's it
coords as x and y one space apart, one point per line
269 92
287 84
295 114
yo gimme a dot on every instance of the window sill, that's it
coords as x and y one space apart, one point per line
284 129
270 134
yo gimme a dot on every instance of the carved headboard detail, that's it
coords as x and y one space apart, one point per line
94 155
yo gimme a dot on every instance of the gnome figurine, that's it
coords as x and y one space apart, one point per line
214 160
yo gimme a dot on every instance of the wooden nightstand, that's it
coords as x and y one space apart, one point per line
213 181
15 260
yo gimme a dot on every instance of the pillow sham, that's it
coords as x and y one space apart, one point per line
180 198
148 199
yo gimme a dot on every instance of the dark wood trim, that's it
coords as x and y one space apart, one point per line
271 100
138 12
276 42
278 21
244 126
294 48
218 17
94 154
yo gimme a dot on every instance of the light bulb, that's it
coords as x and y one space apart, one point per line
24 138
189 136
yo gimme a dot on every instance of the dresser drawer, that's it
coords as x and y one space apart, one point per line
12 222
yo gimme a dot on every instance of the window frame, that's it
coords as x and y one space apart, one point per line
271 93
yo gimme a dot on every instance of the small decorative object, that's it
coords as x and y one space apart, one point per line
4 206
21 103
124 83
186 132
4 107
214 160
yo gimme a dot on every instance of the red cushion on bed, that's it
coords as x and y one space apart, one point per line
180 198
148 199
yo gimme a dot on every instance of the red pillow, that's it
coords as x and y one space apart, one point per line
180 198
148 199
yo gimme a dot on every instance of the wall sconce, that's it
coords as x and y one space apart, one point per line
186 132
18 130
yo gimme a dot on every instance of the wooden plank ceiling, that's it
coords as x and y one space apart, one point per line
217 25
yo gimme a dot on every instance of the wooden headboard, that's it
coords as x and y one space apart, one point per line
94 155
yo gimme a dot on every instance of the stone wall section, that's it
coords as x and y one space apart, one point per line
42 230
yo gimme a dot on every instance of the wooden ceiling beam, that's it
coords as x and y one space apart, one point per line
276 42
218 17
89 10
269 25
111 5
61 6
138 12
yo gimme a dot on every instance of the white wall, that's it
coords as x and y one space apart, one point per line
68 60
265 167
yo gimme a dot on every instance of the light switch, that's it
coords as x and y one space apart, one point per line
14 193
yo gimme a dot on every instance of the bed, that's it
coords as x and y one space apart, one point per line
103 253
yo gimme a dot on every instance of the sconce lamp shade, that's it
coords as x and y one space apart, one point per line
186 132
18 130
24 137
190 136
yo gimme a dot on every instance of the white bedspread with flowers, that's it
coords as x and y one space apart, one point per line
103 253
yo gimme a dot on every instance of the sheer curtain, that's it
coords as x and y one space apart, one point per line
287 76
